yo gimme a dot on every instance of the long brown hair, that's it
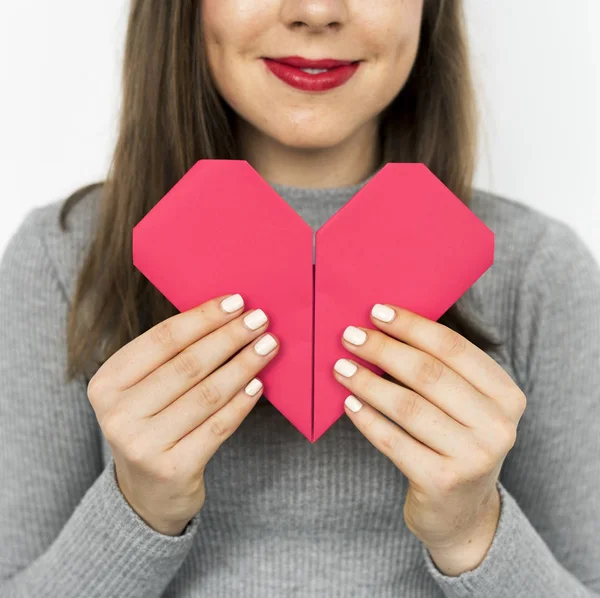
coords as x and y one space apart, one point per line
171 116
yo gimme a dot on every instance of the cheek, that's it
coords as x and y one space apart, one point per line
403 51
237 23
216 23
395 42
392 28
232 30
221 40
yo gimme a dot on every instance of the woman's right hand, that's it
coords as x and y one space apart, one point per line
167 400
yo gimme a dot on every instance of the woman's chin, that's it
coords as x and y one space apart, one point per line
310 139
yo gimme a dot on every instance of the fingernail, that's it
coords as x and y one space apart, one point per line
354 335
353 403
265 345
232 303
383 312
255 319
253 387
345 368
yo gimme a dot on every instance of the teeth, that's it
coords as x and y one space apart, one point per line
314 71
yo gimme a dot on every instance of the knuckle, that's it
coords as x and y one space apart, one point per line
483 464
201 310
410 323
94 388
369 422
137 450
407 405
112 426
186 364
246 369
506 433
389 442
207 394
206 312
447 479
379 348
521 401
218 428
366 384
165 470
452 343
233 336
162 334
429 370
501 437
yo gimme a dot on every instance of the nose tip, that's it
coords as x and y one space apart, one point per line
314 14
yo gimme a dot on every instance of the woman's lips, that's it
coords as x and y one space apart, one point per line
297 78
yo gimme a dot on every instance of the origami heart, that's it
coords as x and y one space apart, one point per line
403 239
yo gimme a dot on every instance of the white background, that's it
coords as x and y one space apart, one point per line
533 62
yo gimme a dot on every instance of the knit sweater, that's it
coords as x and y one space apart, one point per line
284 517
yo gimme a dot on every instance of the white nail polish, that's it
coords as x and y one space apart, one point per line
345 368
253 387
383 312
255 319
354 335
265 345
232 303
353 403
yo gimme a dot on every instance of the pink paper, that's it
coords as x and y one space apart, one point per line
403 239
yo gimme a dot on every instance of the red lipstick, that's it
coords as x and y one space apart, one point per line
289 70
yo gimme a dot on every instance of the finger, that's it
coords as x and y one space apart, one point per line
422 372
145 353
175 377
419 417
447 345
409 455
213 393
203 442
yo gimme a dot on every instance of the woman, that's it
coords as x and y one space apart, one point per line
117 480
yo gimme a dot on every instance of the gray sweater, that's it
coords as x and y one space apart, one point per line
283 517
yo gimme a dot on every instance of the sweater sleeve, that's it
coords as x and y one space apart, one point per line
547 543
65 527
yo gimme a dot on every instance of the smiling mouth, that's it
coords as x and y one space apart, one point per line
302 63
312 75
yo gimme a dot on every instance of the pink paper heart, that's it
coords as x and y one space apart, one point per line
403 239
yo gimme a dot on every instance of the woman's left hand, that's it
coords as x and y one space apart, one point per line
453 414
